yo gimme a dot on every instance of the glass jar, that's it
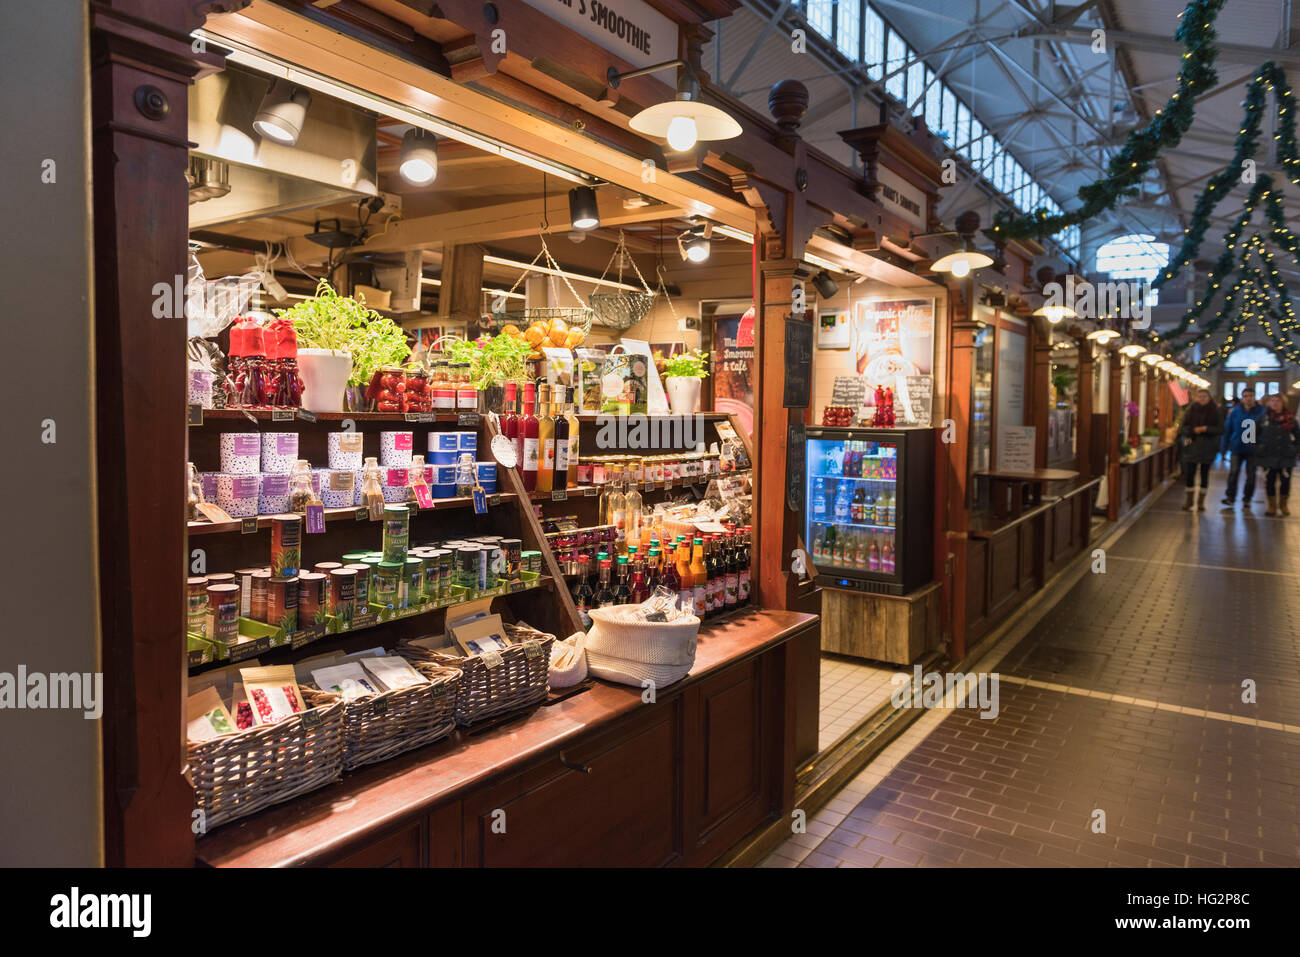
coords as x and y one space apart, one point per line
417 397
442 388
466 393
300 493
387 387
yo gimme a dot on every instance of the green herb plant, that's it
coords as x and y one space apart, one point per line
493 360
345 324
686 365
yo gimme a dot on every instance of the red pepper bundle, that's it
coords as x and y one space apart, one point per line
283 384
243 384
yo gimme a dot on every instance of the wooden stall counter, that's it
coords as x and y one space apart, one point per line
600 778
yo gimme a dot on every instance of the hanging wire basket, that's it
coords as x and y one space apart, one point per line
625 308
575 317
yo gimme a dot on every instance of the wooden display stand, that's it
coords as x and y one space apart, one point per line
898 629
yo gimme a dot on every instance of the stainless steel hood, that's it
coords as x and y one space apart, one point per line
333 161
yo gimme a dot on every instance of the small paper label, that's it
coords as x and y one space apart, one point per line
282 415
504 451
315 519
532 649
196 414
591 491
404 441
494 498
307 415
361 514
247 526
649 486
490 659
422 495
517 587
480 501
560 495
398 477
468 420
311 719
350 441
379 706
428 417
341 481
286 444
411 417
247 445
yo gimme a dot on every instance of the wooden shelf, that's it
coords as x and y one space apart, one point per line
283 415
337 514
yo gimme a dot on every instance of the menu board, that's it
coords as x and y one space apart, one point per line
849 392
892 338
798 363
913 397
1016 448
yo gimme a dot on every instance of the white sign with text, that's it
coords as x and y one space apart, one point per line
630 29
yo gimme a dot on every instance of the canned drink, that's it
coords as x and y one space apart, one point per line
326 567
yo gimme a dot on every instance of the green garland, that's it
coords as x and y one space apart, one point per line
1127 168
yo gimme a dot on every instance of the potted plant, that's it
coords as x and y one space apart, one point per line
340 344
683 375
1062 379
493 361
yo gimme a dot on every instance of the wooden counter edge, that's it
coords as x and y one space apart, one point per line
265 839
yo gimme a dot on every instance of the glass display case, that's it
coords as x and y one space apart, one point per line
868 516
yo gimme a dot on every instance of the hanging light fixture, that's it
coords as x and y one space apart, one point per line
961 262
1151 358
683 121
419 163
1103 336
695 244
1054 314
282 113
583 211
1133 350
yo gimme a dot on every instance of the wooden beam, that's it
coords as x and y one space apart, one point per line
460 297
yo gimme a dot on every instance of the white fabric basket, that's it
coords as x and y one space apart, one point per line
631 652
568 661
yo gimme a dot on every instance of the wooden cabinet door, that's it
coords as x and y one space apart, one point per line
727 761
612 801
400 849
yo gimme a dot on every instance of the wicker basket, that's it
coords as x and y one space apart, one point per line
239 774
490 687
380 727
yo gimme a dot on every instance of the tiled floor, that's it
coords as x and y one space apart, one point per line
1122 737
850 690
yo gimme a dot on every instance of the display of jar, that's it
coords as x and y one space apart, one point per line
417 397
441 388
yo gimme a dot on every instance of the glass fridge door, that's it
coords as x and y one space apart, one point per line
851 513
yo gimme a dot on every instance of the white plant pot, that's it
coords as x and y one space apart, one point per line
324 378
683 393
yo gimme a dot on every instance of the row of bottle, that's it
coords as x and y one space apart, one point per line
850 548
871 460
710 575
853 502
546 441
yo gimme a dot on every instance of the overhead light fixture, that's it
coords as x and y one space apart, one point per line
683 121
583 213
1103 335
419 163
694 244
1053 314
1166 366
961 262
813 259
1132 350
282 113
1151 358
826 286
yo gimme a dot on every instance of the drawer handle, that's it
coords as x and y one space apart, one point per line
584 768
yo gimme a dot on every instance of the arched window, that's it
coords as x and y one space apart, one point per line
1252 359
1134 257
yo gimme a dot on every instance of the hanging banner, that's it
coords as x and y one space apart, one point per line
892 338
733 367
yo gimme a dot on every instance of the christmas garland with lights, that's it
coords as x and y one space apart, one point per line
1141 149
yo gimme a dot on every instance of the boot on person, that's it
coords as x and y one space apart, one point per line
1200 501
1272 506
1191 498
1281 504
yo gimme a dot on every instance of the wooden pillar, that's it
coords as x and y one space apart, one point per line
1040 386
141 66
956 458
1113 420
1083 411
460 297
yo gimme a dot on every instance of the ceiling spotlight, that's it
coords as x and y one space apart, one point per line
419 165
282 113
684 120
583 213
825 285
694 245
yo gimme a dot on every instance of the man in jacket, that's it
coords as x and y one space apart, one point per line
1240 433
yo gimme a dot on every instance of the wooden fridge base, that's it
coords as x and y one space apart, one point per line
897 629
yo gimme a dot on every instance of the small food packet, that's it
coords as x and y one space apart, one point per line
207 717
349 680
394 672
273 693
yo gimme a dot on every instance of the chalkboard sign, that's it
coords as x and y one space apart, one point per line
795 466
912 400
849 392
798 363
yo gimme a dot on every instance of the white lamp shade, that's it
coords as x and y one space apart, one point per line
964 261
711 123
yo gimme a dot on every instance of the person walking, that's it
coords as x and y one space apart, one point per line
1241 433
1279 440
1200 431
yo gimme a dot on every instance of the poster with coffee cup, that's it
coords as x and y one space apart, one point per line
892 338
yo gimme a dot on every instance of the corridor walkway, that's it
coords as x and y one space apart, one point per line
1124 700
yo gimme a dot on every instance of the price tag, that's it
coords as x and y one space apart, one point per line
517 587
247 526
379 706
590 491
490 659
282 415
428 417
363 619
649 486
468 420
480 501
312 719
315 519
306 636
196 414
560 495
361 514
307 415
532 649
411 416
494 498
423 497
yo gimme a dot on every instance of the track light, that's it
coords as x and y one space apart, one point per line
825 285
694 245
419 164
583 212
282 113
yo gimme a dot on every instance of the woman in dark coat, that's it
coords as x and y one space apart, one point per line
1279 439
1200 431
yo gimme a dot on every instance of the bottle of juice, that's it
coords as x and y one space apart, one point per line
686 579
573 438
699 579
528 430
561 427
545 443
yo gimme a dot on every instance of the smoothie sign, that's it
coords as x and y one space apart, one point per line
892 338
630 29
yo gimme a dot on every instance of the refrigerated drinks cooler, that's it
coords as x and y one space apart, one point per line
869 514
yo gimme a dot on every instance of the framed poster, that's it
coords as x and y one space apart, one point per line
833 329
733 366
892 338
